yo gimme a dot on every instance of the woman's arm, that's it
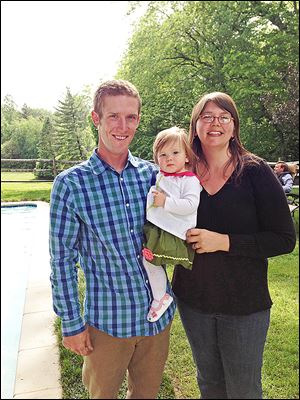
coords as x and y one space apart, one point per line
276 233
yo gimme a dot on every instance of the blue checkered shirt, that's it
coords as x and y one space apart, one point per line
96 220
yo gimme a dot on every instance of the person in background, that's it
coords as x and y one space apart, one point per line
171 210
284 176
243 218
97 214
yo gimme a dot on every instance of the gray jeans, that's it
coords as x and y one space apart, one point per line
228 352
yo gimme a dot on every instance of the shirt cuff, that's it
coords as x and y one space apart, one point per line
72 327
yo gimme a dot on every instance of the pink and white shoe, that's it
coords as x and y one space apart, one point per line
159 307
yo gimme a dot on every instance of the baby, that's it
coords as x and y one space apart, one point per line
171 210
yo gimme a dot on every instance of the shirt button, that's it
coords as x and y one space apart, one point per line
127 204
131 230
138 256
121 179
147 281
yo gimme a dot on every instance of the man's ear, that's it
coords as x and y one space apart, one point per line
95 118
139 119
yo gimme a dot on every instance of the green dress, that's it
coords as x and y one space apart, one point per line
161 247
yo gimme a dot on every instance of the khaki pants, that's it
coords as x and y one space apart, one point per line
143 356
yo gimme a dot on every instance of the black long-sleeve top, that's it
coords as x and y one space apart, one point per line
255 214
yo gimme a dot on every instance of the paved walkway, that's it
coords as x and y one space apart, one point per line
38 370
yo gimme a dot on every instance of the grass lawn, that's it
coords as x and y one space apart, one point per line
280 370
27 191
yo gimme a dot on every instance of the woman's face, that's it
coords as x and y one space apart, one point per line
215 126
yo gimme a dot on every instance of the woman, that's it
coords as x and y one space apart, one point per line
243 218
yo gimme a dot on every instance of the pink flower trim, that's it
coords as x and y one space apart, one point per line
147 253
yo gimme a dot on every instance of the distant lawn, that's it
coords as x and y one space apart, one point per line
17 176
27 191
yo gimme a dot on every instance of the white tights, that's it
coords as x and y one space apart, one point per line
157 278
158 282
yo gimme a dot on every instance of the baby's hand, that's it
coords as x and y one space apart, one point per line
159 198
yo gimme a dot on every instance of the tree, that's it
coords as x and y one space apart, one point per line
23 140
183 49
73 138
20 130
46 150
9 116
38 113
284 115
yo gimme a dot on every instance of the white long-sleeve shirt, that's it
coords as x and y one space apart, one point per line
180 211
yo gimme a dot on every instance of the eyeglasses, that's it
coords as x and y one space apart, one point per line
223 119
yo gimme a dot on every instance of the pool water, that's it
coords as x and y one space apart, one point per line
17 229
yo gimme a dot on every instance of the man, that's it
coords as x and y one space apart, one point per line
97 216
284 176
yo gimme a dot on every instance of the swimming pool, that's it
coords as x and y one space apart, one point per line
18 225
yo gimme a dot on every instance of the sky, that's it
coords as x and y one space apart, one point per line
47 46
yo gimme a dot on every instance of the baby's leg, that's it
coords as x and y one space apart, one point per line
158 282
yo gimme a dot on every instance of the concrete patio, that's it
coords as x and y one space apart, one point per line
38 370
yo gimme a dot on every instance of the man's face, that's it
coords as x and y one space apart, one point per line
118 123
278 169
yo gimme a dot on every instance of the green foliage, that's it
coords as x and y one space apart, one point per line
180 50
23 140
141 146
9 116
249 49
46 150
285 114
73 138
37 133
11 164
38 113
93 129
20 131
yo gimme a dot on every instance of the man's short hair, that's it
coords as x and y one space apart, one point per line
115 87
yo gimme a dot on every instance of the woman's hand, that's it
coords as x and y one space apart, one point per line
204 241
159 198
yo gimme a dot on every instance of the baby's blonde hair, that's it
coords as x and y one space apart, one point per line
174 134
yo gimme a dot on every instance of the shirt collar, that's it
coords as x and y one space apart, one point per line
99 166
180 174
133 160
